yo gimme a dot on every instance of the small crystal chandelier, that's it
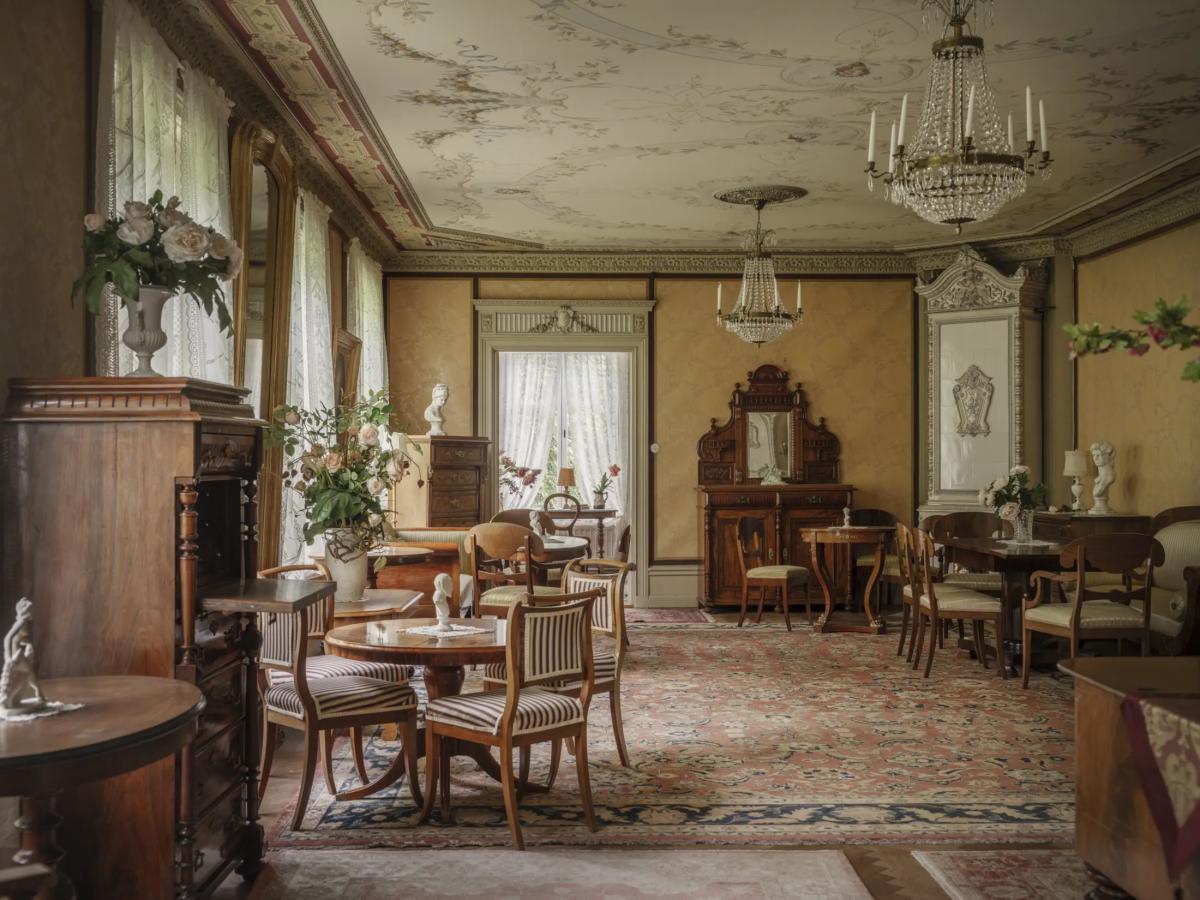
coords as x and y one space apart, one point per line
961 167
758 317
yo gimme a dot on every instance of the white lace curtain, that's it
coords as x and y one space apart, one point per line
310 354
365 318
528 413
163 126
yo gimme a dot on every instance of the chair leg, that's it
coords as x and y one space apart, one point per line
745 602
326 741
408 740
903 625
356 746
444 778
934 640
509 787
311 745
918 639
1026 652
270 740
787 603
614 707
762 598
1001 637
808 604
433 752
555 757
585 781
977 628
523 769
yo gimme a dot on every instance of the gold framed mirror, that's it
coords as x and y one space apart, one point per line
263 196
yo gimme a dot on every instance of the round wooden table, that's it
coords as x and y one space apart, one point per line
376 604
127 722
878 536
445 660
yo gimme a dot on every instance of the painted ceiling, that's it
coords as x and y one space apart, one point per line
609 124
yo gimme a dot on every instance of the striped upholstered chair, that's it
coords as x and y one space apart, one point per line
500 554
319 665
546 646
317 706
608 623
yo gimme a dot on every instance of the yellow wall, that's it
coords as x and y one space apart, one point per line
43 105
853 353
1140 404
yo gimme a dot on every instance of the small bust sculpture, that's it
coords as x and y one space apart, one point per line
443 588
535 522
1103 455
19 691
433 413
846 517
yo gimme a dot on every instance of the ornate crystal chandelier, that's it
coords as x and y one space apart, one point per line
962 166
758 317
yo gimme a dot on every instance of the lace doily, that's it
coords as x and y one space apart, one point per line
52 708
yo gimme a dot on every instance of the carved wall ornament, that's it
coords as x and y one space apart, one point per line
973 392
970 282
564 320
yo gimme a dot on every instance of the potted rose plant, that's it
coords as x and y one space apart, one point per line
1014 498
341 461
148 254
600 491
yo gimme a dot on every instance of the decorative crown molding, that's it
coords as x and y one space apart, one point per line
1172 207
969 282
642 263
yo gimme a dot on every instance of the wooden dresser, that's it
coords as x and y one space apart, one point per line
128 501
454 488
768 426
1064 526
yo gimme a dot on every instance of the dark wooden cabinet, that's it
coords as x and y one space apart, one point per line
453 489
1065 526
127 500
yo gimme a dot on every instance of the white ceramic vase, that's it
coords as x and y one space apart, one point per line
145 335
350 573
599 500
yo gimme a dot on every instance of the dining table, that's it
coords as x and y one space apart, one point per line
557 550
599 516
444 659
823 538
1014 562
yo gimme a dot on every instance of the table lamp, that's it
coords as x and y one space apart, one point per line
1075 466
566 479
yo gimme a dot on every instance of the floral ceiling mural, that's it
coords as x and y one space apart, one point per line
608 124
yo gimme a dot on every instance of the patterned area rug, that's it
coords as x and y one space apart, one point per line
667 616
1007 874
557 873
758 736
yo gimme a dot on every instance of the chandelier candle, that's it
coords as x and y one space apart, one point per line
1028 115
871 140
1042 125
892 150
903 118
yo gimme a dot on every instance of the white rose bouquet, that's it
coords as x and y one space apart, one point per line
156 243
1012 494
340 461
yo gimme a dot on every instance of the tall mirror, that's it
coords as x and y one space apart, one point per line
768 445
263 193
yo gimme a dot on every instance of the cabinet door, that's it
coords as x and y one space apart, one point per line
726 576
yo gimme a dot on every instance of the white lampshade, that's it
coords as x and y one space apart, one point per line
1075 463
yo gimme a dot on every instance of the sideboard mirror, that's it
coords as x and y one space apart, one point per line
769 437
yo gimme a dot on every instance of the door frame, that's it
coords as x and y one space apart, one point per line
604 326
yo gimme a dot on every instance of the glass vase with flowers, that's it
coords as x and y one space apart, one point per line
1014 497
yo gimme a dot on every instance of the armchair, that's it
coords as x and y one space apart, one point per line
1175 589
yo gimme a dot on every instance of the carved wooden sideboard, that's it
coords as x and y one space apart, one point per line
127 502
453 490
770 437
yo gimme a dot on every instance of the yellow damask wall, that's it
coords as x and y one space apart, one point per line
853 353
1140 404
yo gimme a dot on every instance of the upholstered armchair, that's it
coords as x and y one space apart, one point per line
1175 588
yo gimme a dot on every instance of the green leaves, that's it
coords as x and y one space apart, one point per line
1165 326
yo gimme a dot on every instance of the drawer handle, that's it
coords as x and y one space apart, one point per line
744 501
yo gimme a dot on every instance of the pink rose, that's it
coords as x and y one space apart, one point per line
1157 333
1009 511
1139 350
614 470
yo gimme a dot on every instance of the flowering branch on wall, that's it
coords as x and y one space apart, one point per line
156 243
1164 327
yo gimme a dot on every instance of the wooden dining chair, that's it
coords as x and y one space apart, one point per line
503 557
606 578
318 706
320 665
623 543
889 573
544 646
572 505
1091 611
909 591
939 600
762 573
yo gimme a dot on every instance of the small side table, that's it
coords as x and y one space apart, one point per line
877 536
377 604
394 556
127 722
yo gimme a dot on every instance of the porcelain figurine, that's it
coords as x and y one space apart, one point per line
443 588
1103 455
20 697
846 517
433 413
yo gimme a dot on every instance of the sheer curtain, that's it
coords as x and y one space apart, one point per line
596 403
529 395
310 354
365 318
163 126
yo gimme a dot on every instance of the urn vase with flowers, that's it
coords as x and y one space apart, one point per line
600 491
342 461
1014 498
149 253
